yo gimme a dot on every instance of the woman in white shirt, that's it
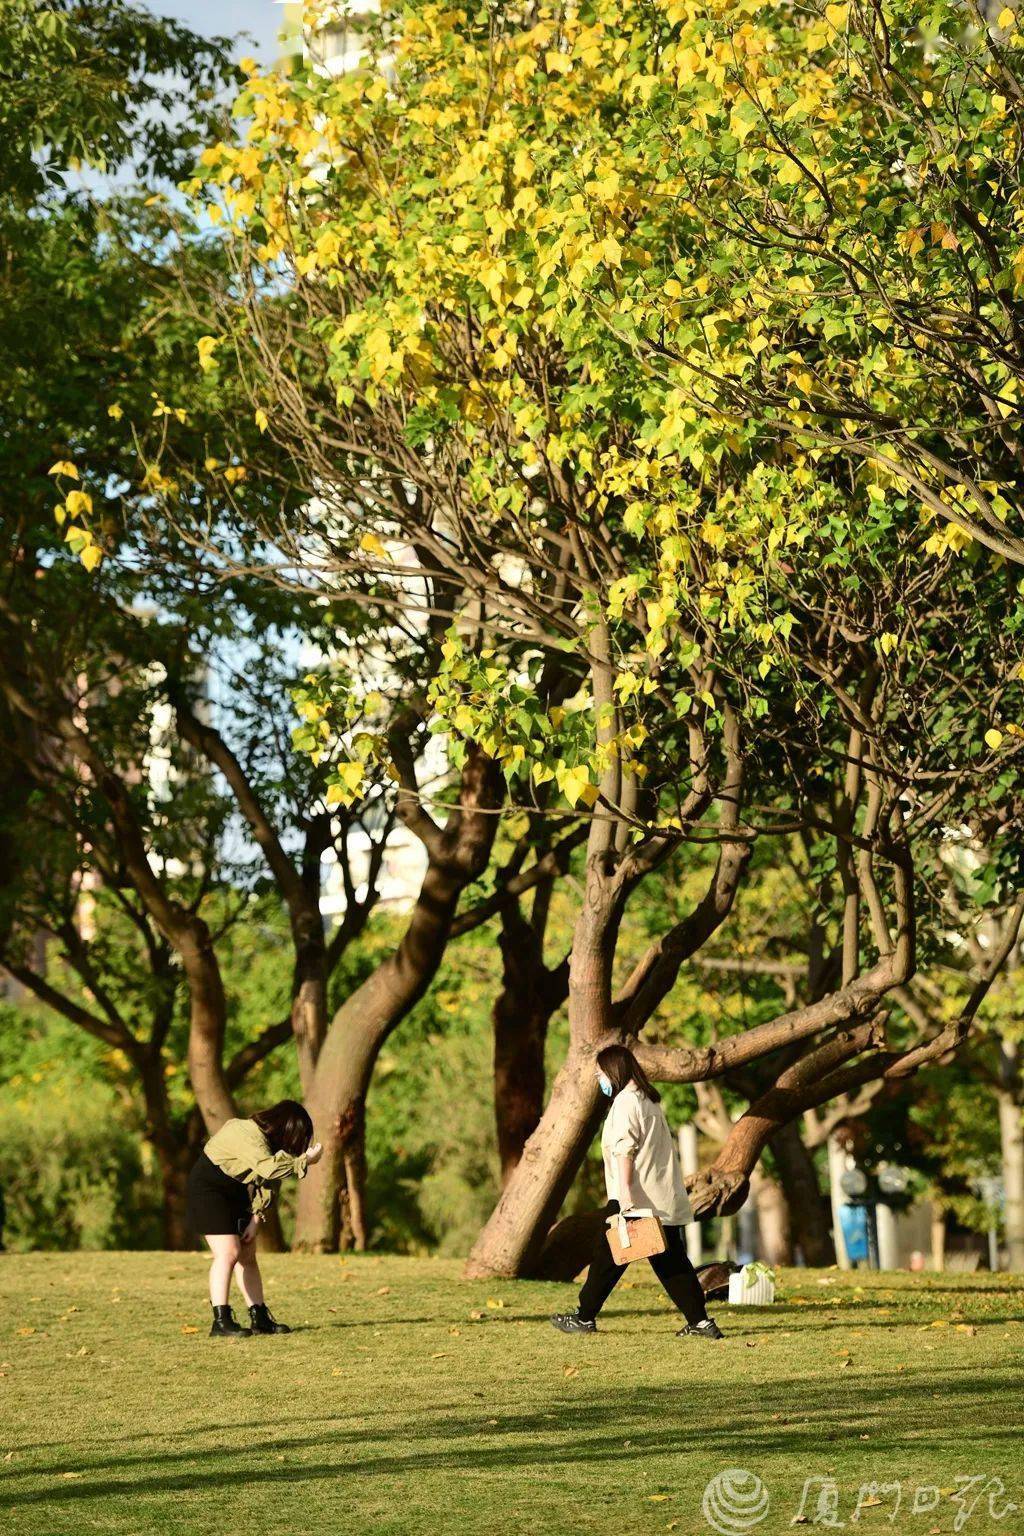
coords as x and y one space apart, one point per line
641 1171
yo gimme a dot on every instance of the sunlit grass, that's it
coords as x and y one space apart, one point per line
409 1400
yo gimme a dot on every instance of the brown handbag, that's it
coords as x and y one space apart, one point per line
640 1235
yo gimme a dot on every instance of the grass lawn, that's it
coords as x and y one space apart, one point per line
409 1401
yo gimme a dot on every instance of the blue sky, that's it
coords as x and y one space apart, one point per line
262 19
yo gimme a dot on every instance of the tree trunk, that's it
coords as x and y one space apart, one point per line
807 1212
174 1148
529 995
207 1019
457 856
177 1235
512 1240
353 1195
773 1217
1011 1131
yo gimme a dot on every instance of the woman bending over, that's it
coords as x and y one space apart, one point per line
230 1190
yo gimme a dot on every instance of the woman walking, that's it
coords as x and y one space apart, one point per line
641 1170
230 1190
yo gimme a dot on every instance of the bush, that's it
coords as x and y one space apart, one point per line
71 1171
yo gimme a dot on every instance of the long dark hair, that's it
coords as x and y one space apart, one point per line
286 1126
621 1067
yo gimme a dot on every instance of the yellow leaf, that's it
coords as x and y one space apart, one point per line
63 467
260 419
91 556
837 16
206 346
115 412
1006 19
78 501
372 545
889 642
993 738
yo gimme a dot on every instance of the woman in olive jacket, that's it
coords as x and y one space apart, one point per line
230 1190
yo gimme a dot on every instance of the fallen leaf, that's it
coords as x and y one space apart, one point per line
188 1328
455 1332
23 1333
869 1503
570 1370
495 1303
440 1355
337 1371
656 1498
968 1328
385 1290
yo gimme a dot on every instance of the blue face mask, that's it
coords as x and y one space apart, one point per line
605 1085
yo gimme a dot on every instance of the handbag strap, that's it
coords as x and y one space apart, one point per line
623 1223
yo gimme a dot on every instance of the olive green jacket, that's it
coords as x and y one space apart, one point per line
241 1150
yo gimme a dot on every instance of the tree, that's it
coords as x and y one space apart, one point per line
100 662
695 625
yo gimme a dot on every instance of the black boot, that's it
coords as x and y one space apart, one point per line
225 1327
263 1320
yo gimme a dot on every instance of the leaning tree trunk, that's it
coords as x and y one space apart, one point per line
457 856
512 1241
809 1218
1011 1131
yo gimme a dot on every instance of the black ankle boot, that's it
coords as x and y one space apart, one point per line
225 1327
263 1320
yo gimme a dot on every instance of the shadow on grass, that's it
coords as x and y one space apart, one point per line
564 1434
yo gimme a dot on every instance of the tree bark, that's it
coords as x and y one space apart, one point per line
457 855
529 995
773 1216
1011 1131
807 1213
514 1236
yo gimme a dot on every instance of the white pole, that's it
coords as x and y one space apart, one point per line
836 1169
689 1157
888 1239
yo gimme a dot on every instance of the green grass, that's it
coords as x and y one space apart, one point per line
409 1401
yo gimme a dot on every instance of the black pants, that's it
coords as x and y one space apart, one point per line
673 1269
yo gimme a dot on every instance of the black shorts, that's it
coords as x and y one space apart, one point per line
216 1203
